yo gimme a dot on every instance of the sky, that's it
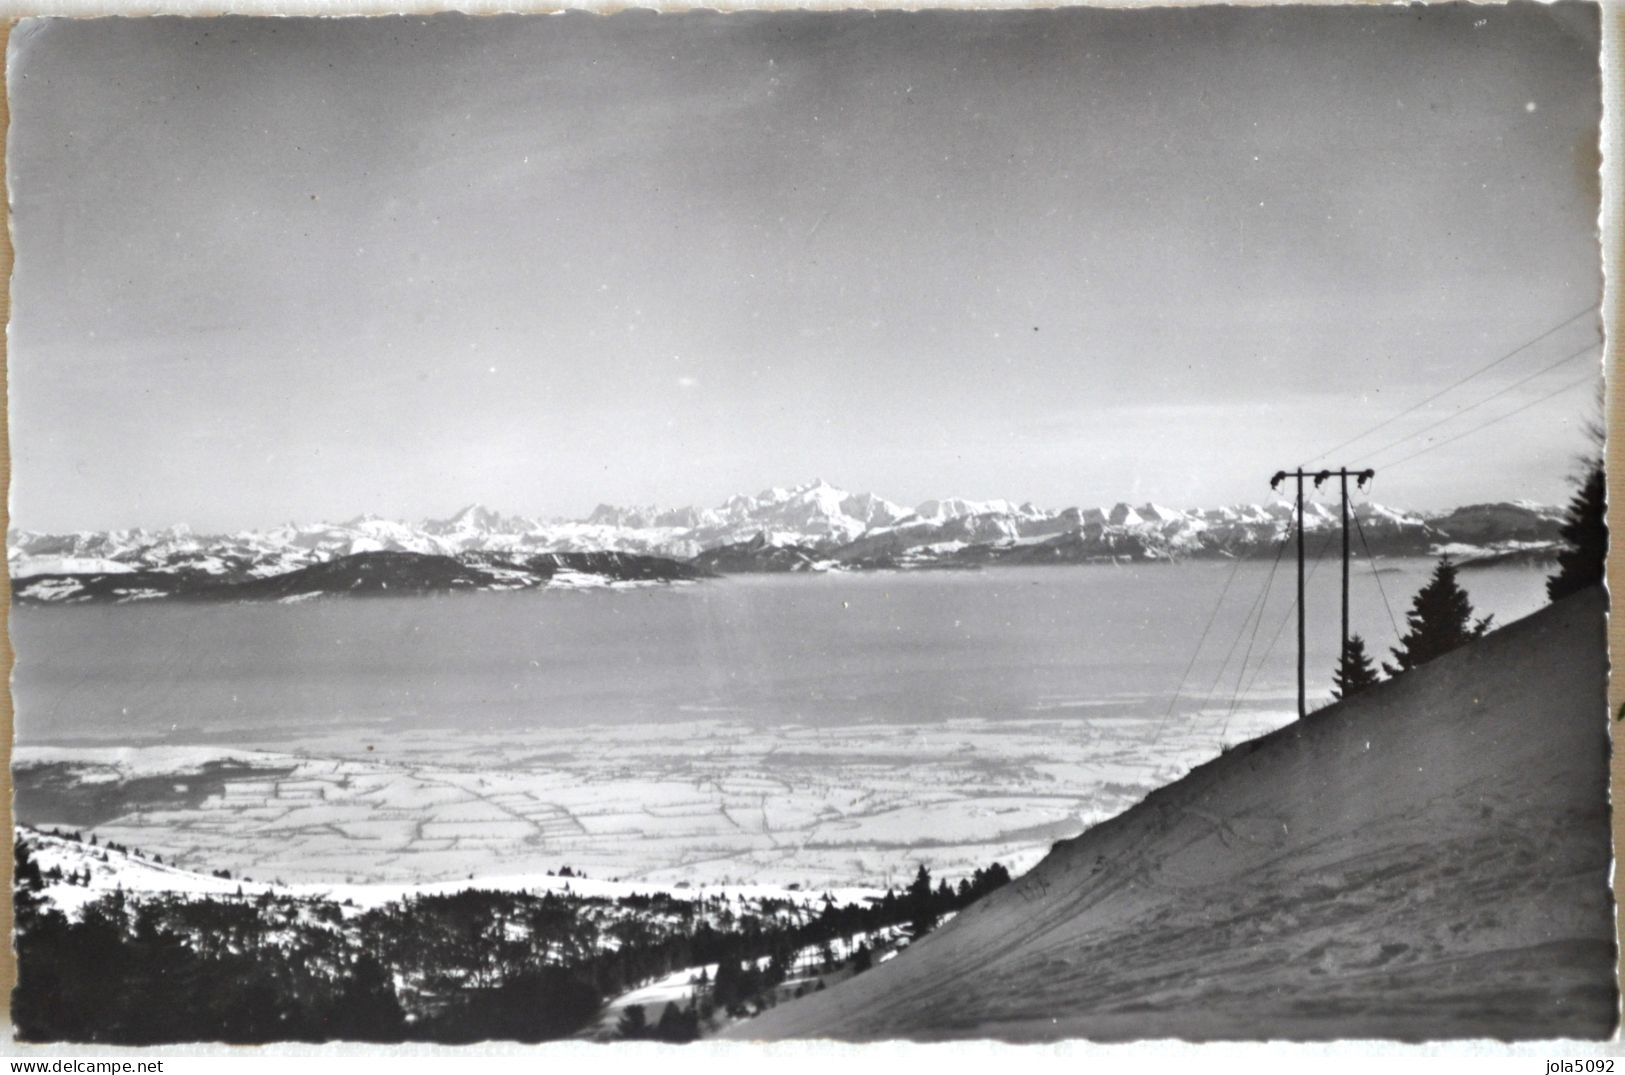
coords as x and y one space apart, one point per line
287 269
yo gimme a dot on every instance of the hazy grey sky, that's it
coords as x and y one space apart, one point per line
293 269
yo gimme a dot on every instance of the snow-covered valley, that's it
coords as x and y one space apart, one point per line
704 803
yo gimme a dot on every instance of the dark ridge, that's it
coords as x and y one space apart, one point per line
58 793
756 556
619 566
363 574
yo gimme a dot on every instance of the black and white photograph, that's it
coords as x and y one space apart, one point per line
857 526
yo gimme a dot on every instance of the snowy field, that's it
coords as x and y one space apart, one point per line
697 803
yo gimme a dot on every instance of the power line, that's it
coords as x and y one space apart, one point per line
1281 629
1452 416
1255 607
1565 323
1172 702
1588 379
1235 696
1376 575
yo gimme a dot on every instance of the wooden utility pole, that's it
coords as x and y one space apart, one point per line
1343 650
1343 473
1275 482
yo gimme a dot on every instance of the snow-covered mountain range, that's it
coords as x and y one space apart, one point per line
811 526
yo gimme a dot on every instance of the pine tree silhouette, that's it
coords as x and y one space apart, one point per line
1440 620
1355 672
675 1026
1585 533
634 1022
923 915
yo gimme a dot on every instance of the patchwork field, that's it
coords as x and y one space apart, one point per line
703 802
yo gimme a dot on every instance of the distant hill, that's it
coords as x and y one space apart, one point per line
759 555
364 574
367 573
1428 860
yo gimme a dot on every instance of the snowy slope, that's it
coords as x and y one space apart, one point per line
1428 860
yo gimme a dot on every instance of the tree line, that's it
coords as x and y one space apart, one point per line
475 965
745 982
1441 616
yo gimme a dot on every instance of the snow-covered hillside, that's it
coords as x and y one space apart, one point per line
1427 860
79 872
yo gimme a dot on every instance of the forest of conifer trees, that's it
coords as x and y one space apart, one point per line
477 965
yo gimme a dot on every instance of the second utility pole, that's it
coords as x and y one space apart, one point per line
1361 477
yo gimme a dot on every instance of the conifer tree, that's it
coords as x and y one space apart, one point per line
26 879
923 915
1585 535
1440 620
634 1022
673 1026
1355 672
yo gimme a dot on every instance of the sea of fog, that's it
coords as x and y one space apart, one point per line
1087 642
